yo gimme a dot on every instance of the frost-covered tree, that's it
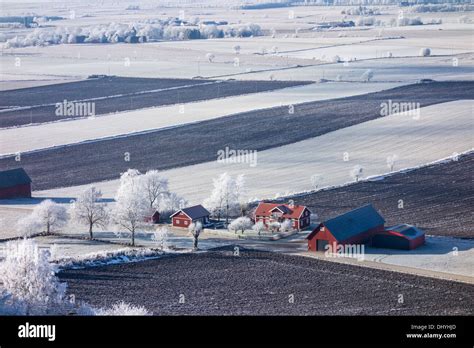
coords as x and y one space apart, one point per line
286 226
28 278
131 206
259 227
391 161
195 229
316 180
28 286
47 216
274 226
155 187
210 57
356 172
240 192
240 224
161 237
425 52
367 75
88 210
171 203
226 195
28 225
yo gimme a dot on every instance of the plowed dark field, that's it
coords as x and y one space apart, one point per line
261 283
113 94
196 143
439 198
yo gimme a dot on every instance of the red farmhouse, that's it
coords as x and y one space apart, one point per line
186 216
354 227
402 236
299 215
15 183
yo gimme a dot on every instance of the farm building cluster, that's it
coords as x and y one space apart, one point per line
363 225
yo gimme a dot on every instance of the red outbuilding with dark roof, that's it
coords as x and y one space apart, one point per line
354 227
185 217
364 225
15 183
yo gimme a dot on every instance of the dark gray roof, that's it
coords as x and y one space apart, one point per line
354 222
284 209
195 212
13 177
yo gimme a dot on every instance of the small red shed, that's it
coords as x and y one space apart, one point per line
354 227
185 217
299 215
15 183
154 218
403 236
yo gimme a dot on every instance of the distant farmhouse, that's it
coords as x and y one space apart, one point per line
299 215
187 216
15 183
364 225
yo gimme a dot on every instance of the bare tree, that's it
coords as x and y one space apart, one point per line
88 210
155 187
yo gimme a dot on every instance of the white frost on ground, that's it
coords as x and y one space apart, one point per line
440 254
30 138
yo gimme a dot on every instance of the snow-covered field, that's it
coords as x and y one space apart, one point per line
74 131
441 131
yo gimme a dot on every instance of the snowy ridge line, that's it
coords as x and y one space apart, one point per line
113 96
146 131
373 178
302 84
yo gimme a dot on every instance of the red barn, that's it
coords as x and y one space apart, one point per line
401 236
354 227
186 216
299 215
15 183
